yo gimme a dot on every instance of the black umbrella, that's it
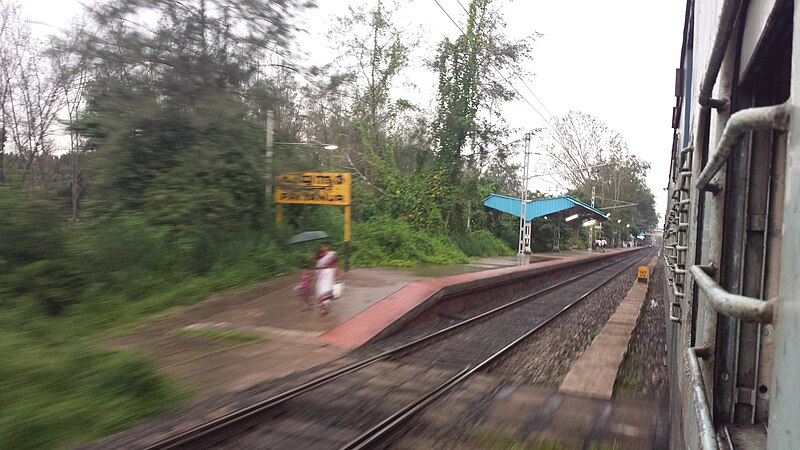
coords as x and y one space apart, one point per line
307 236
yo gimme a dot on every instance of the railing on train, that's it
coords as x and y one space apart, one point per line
677 232
707 435
727 21
721 301
676 229
763 118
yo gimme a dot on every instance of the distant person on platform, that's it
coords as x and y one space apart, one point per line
327 276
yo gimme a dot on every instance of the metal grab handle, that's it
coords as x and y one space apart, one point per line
738 306
708 439
672 317
763 118
725 27
671 283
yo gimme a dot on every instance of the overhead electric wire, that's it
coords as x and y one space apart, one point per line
521 79
492 66
551 129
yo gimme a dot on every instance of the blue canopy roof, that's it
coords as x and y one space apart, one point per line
564 205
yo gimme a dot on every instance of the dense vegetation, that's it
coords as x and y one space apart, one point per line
132 178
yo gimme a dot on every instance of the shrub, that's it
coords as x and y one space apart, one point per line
34 261
62 394
482 243
393 242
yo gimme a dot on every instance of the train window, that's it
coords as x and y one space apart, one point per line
765 32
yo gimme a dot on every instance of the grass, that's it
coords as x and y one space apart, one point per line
129 328
626 386
61 387
237 336
62 391
603 445
500 441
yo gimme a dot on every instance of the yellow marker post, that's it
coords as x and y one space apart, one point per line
643 274
346 238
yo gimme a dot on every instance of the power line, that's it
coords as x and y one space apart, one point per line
448 16
565 172
492 66
551 129
534 95
550 126
521 79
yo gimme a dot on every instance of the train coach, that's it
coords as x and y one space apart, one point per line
732 228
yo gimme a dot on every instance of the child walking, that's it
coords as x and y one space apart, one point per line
304 289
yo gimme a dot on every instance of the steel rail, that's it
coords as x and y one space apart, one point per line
388 426
186 438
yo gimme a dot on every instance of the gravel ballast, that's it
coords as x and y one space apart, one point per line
546 358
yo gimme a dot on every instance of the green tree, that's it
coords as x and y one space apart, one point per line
30 97
471 89
168 115
587 154
373 53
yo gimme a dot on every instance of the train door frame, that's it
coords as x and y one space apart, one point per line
744 349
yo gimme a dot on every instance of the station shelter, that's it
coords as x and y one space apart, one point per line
559 210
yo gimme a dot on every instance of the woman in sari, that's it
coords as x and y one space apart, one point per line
327 275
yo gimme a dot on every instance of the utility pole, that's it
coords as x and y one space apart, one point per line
269 169
268 156
523 255
2 153
591 228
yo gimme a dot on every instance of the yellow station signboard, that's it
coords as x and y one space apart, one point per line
313 188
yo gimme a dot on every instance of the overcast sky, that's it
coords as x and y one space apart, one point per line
614 59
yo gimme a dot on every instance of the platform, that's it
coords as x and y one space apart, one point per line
292 340
498 412
413 300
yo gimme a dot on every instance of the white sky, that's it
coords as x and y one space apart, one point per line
614 59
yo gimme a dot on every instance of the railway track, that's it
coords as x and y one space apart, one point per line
413 376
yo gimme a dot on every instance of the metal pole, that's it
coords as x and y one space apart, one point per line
591 228
268 158
347 212
524 201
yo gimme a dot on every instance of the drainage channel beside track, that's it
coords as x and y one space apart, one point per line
365 404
